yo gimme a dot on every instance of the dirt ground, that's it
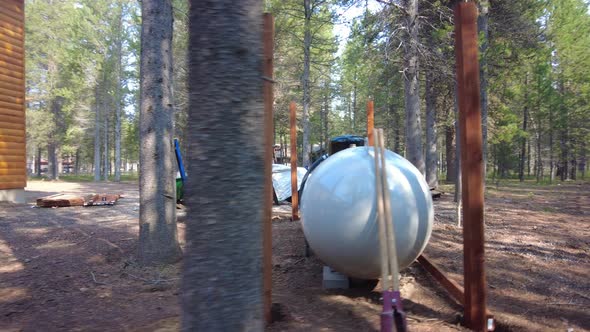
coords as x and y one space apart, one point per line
72 269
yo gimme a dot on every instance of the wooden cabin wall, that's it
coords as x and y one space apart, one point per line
13 174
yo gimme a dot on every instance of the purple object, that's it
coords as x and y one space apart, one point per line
392 311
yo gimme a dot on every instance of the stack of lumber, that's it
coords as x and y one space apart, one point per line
64 200
61 200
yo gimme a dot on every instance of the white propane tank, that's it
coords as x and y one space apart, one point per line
339 211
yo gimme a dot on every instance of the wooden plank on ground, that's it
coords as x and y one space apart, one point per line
61 200
102 199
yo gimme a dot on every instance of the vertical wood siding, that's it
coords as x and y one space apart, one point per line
13 173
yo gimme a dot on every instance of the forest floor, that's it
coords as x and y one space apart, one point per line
72 269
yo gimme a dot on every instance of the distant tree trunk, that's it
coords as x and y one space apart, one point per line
158 242
458 177
450 153
38 162
325 111
412 87
483 31
354 105
431 153
223 259
77 163
52 147
563 165
52 162
525 117
583 161
305 80
539 162
97 160
105 147
118 98
551 161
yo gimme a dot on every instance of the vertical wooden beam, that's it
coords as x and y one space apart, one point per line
268 49
294 193
466 52
370 122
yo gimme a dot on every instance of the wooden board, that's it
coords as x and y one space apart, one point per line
60 200
102 199
65 200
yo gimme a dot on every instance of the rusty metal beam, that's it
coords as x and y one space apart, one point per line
268 49
294 193
466 51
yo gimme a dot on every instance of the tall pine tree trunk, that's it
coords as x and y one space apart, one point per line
305 80
431 152
97 134
222 284
38 162
525 118
105 146
483 30
412 86
118 98
158 242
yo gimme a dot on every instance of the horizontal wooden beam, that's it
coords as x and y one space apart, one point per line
13 171
13 178
8 79
12 10
11 50
10 145
16 73
5 17
12 40
12 152
15 139
12 93
21 159
11 164
12 100
17 61
13 185
12 106
11 112
10 33
11 26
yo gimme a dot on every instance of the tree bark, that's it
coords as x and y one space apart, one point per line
222 288
305 81
412 87
158 241
431 152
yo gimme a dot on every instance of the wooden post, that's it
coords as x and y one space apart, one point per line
370 122
268 45
466 53
294 193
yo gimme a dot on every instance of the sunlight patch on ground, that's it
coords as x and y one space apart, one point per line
32 231
12 294
9 262
55 245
